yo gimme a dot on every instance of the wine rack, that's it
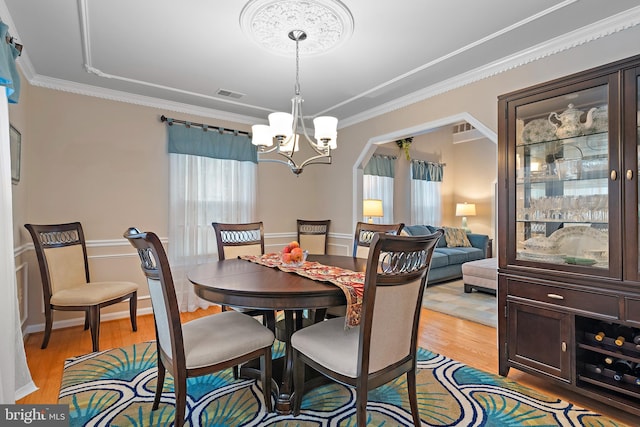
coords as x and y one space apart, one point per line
601 376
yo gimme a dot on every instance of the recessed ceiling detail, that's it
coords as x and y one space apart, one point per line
327 23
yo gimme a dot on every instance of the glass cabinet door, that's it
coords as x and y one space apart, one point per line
562 157
631 171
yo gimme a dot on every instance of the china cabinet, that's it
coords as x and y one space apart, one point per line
568 276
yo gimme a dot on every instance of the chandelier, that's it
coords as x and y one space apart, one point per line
285 128
273 25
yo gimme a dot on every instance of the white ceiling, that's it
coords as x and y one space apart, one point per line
176 54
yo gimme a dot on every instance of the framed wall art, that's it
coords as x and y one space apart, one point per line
16 141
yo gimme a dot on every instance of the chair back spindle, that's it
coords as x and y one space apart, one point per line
364 236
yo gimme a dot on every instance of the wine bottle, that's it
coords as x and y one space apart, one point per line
636 373
594 363
602 330
609 361
621 367
636 339
623 334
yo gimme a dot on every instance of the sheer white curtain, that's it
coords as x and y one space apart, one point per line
204 190
377 183
15 378
426 192
379 187
426 202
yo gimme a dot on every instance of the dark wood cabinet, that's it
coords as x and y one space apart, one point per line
528 326
568 232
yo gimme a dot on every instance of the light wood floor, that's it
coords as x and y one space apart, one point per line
468 342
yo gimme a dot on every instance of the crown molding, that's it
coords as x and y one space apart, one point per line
615 24
612 25
147 101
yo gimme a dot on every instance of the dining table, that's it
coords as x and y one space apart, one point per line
241 283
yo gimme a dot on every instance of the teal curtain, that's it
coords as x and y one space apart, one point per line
381 166
211 143
9 77
426 171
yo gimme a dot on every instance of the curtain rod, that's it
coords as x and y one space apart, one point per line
204 127
432 163
12 40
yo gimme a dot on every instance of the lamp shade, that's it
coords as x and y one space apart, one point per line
261 135
372 207
281 124
465 209
326 127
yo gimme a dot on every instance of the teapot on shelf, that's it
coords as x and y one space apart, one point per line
569 122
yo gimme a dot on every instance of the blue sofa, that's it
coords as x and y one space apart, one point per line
446 263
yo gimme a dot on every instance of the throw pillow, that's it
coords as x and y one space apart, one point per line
417 230
456 237
442 243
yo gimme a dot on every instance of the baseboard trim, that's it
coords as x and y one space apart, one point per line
80 320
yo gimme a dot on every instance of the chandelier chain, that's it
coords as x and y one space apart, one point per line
297 87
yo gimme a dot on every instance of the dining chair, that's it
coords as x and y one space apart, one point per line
201 346
364 236
66 284
384 345
313 235
243 239
361 243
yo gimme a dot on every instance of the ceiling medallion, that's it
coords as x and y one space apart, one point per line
327 23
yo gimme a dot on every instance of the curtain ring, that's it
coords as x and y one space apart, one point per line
187 124
205 127
170 122
221 130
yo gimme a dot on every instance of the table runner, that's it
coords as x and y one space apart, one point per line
351 282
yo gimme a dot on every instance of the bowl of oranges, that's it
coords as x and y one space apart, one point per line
293 255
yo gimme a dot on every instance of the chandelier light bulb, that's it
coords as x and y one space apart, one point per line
261 136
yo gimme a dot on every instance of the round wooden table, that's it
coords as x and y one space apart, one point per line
241 283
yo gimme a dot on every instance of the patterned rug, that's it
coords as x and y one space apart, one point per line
116 387
450 298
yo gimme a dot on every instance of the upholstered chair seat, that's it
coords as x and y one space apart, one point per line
201 346
66 284
235 334
92 293
384 345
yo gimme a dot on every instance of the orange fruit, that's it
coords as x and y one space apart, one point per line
296 254
294 244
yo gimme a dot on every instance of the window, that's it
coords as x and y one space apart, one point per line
377 183
426 183
212 177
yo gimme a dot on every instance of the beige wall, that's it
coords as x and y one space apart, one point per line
104 163
469 175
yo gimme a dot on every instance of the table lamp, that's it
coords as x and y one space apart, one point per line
464 210
371 208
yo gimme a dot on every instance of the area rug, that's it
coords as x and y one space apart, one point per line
116 388
450 298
